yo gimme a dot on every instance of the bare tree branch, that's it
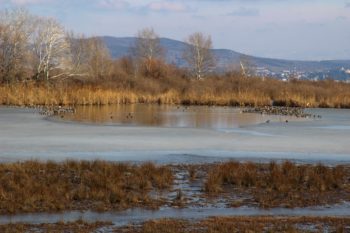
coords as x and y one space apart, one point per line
147 48
198 54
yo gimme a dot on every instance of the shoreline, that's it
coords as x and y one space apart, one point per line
38 106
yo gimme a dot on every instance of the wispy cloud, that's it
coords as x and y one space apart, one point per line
341 18
23 2
116 4
167 6
243 11
143 6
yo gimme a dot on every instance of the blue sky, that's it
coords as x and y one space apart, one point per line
290 29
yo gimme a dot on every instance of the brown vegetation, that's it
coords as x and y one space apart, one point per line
74 227
285 184
244 224
211 225
101 186
34 187
232 90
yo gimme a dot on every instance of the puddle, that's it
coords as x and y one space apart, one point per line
141 215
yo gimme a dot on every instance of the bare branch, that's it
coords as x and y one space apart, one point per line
147 48
198 54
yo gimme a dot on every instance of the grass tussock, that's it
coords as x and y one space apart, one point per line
230 90
35 187
285 184
73 227
260 224
245 224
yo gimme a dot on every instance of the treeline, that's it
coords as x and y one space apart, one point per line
42 63
40 49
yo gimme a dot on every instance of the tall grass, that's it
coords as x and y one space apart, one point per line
261 224
245 224
285 184
33 186
230 90
60 227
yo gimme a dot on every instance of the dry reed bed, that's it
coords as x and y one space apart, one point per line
260 224
245 224
275 185
36 187
221 90
61 227
101 186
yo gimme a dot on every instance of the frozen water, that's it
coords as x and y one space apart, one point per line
27 135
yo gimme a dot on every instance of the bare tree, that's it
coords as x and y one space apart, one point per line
15 30
89 57
42 48
198 54
78 54
147 48
98 59
51 49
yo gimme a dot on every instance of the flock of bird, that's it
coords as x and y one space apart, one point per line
283 111
55 110
268 110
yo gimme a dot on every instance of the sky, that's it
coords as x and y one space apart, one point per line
287 29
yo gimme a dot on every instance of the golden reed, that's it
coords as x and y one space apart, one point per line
212 91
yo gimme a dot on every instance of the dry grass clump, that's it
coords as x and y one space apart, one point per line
263 224
244 224
211 225
192 172
73 227
285 184
35 187
229 90
164 226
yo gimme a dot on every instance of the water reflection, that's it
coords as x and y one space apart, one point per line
171 116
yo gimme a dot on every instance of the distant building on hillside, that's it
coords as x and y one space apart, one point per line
262 71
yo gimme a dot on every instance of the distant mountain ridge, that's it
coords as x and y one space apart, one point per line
120 46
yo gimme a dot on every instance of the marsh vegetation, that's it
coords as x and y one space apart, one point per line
232 90
287 184
245 224
211 225
61 227
36 187
51 187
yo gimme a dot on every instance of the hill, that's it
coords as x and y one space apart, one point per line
121 47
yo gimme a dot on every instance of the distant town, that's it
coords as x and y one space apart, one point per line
342 74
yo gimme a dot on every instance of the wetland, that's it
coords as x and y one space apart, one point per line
150 165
